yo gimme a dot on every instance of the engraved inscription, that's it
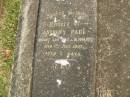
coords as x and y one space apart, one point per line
65 46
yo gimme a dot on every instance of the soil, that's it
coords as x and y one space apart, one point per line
1 9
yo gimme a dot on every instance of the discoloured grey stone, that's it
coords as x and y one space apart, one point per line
113 63
113 52
60 68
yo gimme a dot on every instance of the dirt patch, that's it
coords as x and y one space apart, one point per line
1 8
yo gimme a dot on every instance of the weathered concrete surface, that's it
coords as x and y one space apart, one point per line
113 57
22 69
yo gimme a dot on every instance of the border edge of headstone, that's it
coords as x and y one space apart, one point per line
21 76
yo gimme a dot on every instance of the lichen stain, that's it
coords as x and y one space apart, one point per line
105 93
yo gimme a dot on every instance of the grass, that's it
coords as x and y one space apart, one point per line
8 28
